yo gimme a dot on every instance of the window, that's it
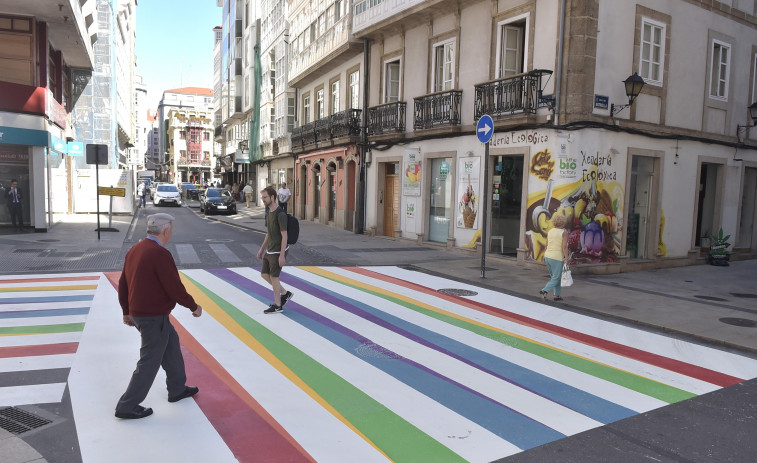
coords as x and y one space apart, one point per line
652 50
182 135
306 109
392 82
290 114
444 66
273 121
16 54
319 110
721 58
312 33
512 43
206 136
338 10
355 90
335 97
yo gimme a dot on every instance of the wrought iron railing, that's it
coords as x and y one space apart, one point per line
385 118
514 94
342 124
438 109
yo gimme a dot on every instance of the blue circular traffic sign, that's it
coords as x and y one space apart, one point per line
485 128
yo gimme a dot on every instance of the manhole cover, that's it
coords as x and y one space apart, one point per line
457 292
371 350
18 421
745 322
711 298
48 241
745 295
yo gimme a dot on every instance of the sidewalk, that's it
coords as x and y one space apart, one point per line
711 304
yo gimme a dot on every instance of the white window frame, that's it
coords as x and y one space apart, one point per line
526 37
320 110
443 44
386 79
335 97
647 78
354 92
723 45
754 78
306 109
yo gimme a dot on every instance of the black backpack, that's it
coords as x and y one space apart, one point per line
293 228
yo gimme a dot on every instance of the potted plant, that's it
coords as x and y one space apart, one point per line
719 253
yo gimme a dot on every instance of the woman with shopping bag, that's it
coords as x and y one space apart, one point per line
555 257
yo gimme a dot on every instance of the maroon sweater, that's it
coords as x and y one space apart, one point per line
150 283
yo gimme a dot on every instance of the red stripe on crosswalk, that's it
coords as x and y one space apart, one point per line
693 371
250 432
39 349
50 280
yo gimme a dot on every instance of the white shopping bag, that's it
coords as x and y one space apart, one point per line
567 277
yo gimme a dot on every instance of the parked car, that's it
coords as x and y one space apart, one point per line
217 200
154 188
189 191
167 193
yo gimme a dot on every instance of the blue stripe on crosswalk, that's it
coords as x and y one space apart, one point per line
31 300
45 313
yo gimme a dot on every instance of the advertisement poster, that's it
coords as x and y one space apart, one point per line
591 201
468 187
411 174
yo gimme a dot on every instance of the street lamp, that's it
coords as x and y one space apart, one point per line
740 129
633 85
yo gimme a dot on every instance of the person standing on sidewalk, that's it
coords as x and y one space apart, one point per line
284 195
148 290
273 250
13 199
555 256
247 190
141 191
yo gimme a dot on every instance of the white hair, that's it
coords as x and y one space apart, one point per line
158 229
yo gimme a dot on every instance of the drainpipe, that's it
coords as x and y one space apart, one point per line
558 80
360 203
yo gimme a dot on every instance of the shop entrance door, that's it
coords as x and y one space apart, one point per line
507 194
391 198
708 199
332 195
640 205
440 200
747 230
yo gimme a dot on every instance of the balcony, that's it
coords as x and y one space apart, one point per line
438 109
342 124
370 12
511 95
314 55
387 118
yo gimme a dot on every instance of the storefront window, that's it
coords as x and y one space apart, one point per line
440 197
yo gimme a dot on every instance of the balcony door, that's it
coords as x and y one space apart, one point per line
444 66
512 42
747 229
392 82
709 203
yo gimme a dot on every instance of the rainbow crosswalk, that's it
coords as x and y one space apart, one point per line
364 364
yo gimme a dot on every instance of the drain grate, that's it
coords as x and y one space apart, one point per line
745 322
457 292
745 295
711 298
48 241
17 421
32 251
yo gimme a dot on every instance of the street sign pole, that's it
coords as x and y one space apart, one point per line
484 132
97 197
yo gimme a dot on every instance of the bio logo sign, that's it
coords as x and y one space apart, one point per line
410 210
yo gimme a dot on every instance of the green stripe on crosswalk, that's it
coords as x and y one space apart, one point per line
41 329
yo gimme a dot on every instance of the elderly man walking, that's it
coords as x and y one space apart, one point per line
149 289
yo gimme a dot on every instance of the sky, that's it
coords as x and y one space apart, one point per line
175 44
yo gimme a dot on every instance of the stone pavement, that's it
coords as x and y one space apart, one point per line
712 304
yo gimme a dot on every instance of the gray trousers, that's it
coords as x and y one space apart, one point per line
160 348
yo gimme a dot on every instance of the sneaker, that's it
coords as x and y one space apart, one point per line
543 295
558 298
285 298
273 308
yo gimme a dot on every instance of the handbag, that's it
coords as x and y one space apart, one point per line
567 278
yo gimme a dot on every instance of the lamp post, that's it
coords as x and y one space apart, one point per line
740 129
634 84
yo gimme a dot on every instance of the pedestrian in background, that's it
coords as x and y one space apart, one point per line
273 250
149 289
247 190
141 190
555 256
235 191
13 200
284 195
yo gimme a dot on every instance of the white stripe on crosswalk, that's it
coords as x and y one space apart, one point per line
224 253
31 394
187 254
36 362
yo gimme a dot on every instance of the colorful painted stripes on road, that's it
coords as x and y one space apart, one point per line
41 321
368 349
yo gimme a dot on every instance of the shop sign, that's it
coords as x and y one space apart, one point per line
411 175
242 156
468 188
14 155
54 110
76 148
58 145
444 170
29 137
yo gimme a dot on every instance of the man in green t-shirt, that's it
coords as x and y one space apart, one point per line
273 250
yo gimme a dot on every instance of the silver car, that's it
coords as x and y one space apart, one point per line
167 194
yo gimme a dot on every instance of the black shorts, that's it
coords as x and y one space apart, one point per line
271 265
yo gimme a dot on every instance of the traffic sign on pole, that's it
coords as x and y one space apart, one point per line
485 128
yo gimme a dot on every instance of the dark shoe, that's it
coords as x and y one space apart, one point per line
139 412
558 298
285 298
543 295
189 391
273 308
